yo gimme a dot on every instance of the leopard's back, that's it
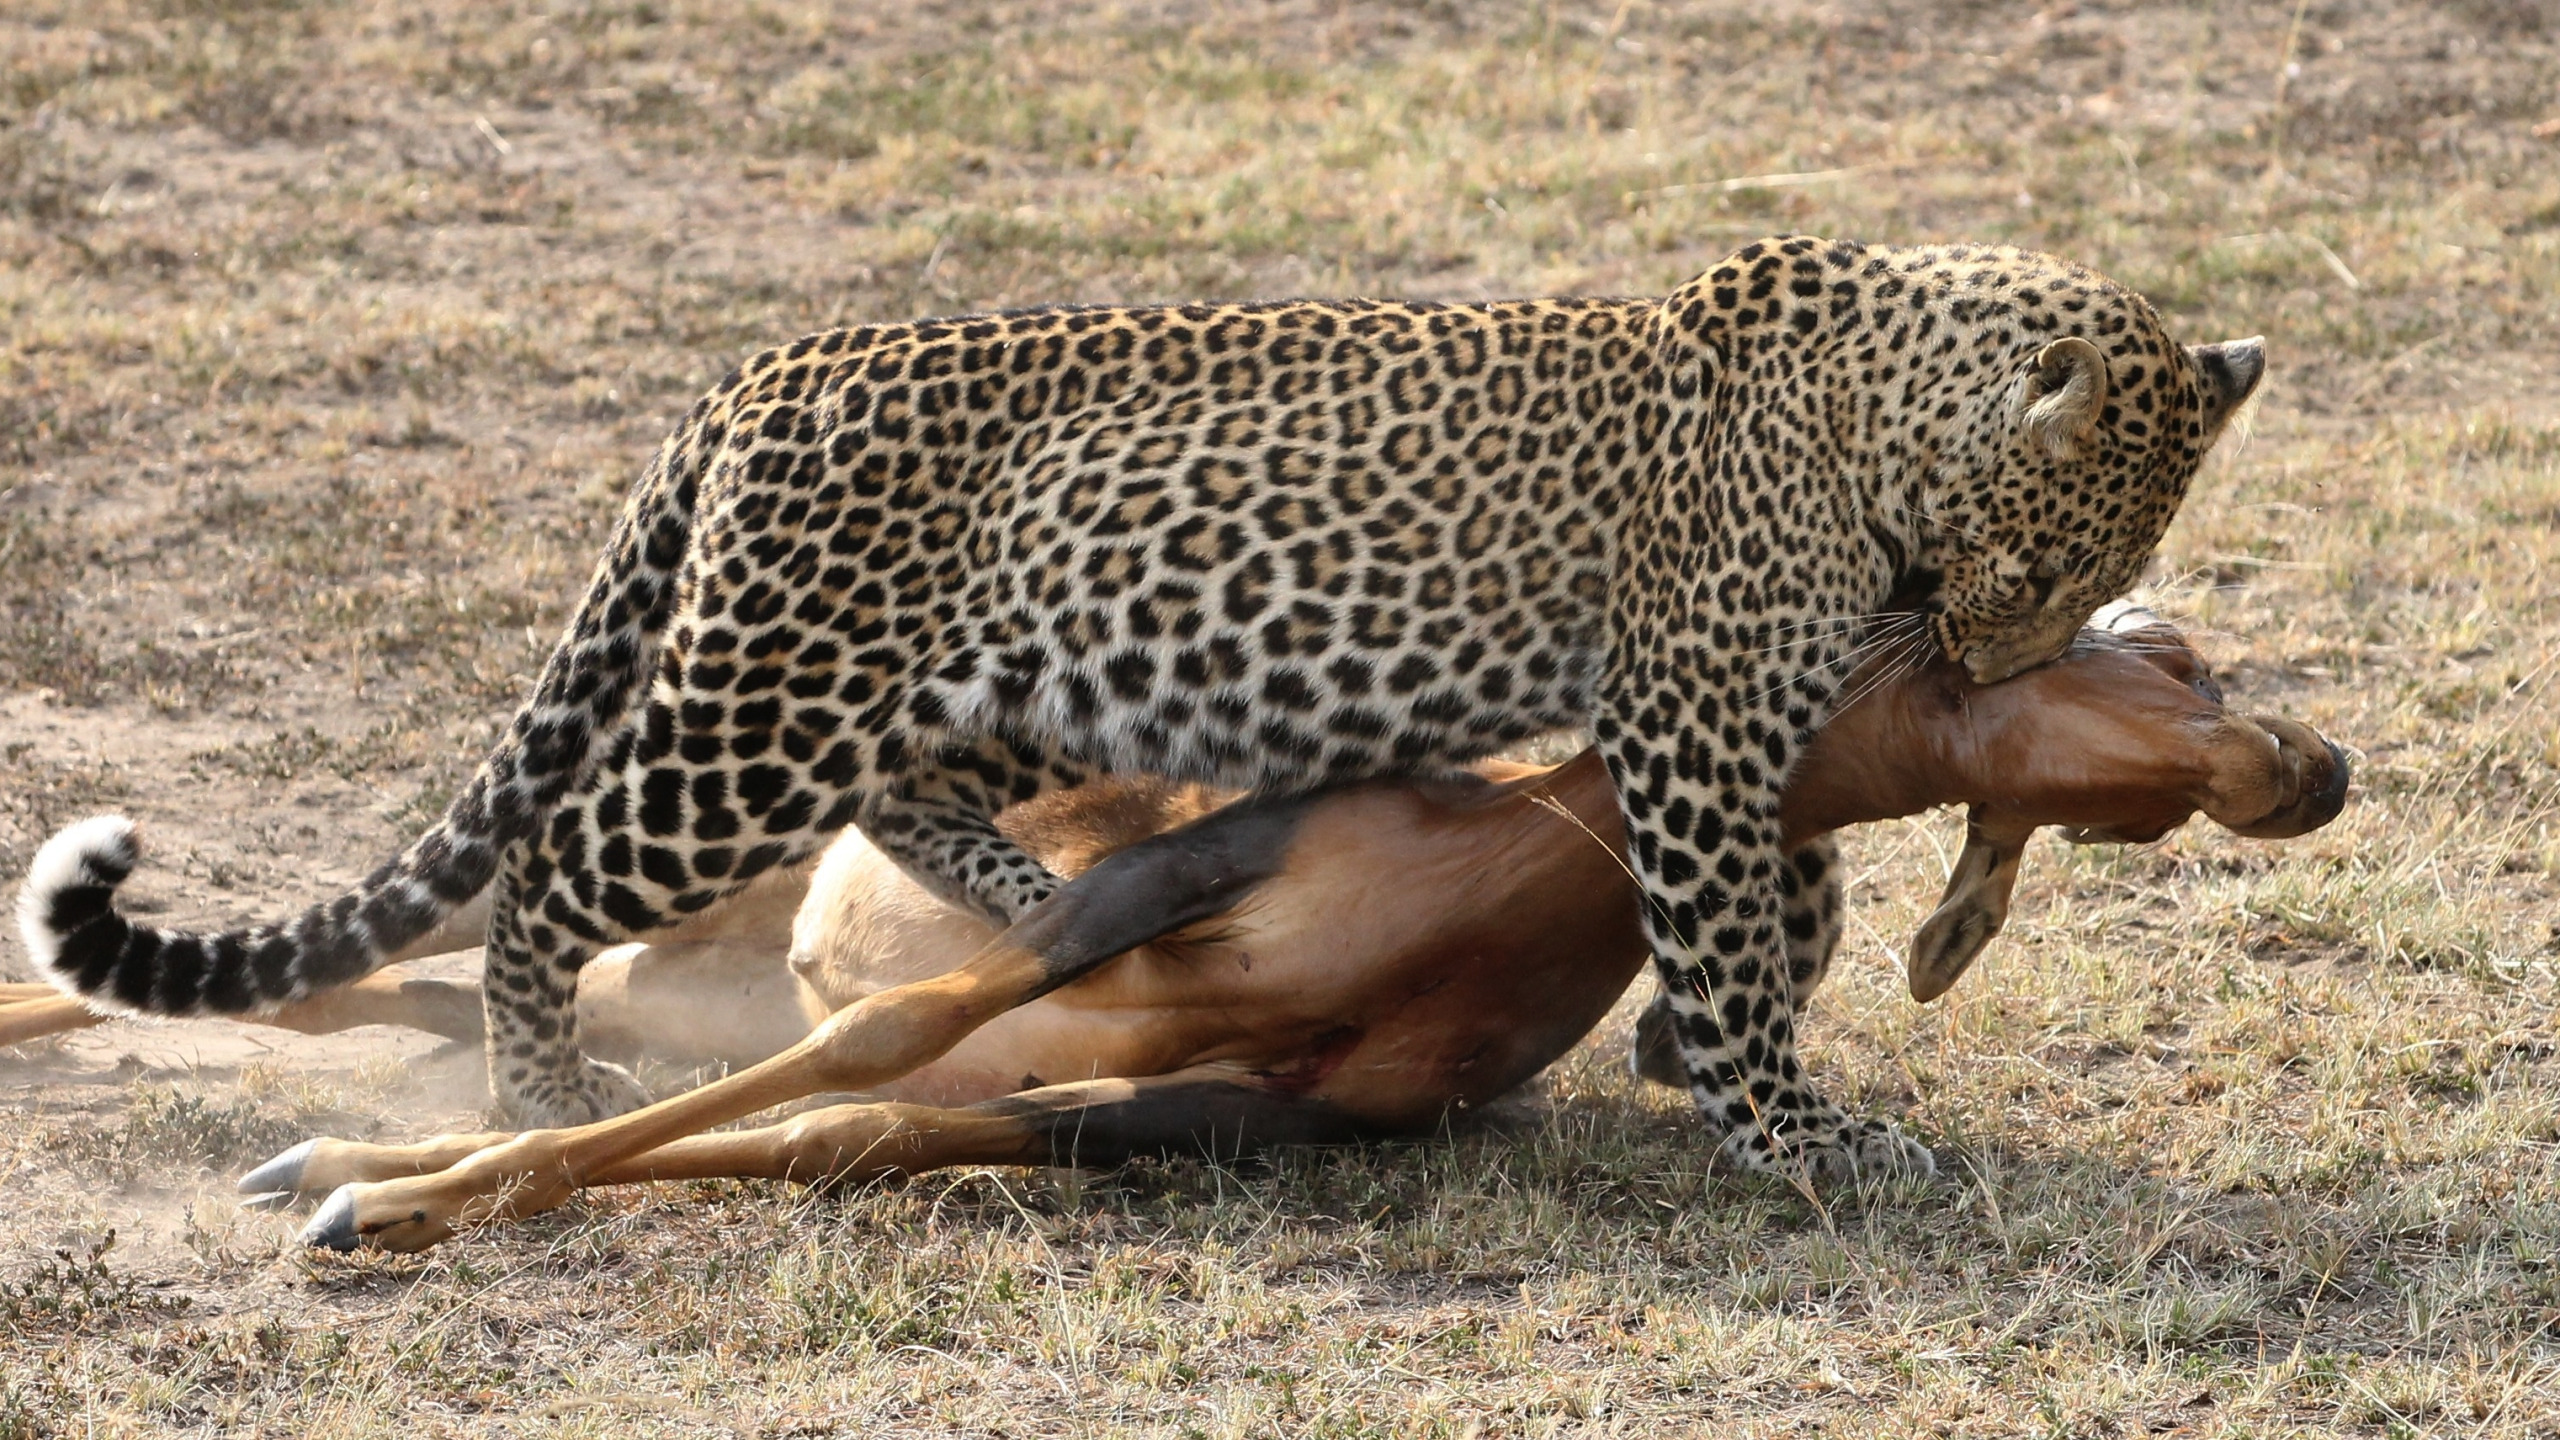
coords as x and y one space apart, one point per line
1249 545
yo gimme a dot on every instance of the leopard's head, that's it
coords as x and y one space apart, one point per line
2047 502
2030 427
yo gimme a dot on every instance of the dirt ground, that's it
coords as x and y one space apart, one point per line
330 334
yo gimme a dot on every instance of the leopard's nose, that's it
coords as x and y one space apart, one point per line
1990 667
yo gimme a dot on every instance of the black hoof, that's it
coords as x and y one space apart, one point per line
334 1228
282 1173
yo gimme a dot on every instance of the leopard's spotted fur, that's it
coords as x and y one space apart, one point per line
900 576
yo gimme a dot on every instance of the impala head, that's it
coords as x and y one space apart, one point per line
2121 740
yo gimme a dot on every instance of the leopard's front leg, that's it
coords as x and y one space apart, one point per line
1702 833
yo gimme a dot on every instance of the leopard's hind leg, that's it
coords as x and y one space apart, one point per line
694 806
697 798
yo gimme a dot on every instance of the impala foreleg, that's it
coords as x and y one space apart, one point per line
1972 910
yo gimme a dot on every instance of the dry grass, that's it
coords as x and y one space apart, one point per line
329 334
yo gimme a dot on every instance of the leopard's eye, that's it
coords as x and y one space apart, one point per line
2039 586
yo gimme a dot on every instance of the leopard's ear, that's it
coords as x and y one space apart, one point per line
1969 914
2059 398
2229 373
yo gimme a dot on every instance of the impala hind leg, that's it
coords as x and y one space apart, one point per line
1208 1110
34 1011
31 1012
1145 891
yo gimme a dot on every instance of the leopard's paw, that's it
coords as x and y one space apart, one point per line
1828 1151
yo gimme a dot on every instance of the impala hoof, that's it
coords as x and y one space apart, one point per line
334 1227
282 1173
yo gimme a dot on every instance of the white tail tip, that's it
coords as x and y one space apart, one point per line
97 852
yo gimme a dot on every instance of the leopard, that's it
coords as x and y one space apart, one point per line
900 576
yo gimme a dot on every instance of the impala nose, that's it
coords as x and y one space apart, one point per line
2325 804
2322 795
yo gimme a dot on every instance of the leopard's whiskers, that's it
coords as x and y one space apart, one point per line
1839 621
1908 627
1907 661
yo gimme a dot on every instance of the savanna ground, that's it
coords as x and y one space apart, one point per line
330 334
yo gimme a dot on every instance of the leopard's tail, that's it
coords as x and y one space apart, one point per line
593 679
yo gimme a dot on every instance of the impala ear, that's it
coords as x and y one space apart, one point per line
1974 907
2059 398
2230 371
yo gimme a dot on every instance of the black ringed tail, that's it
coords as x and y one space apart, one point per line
82 944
